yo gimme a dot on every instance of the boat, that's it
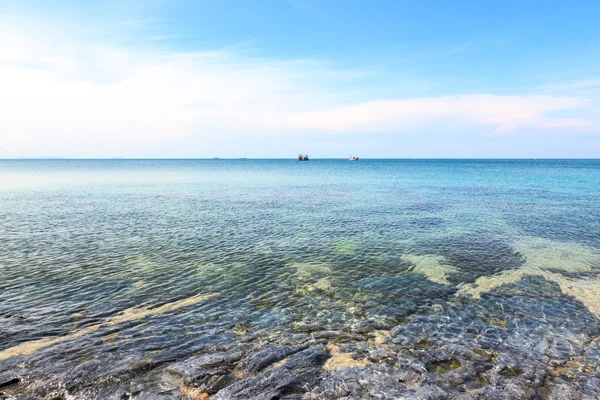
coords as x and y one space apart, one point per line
353 158
302 157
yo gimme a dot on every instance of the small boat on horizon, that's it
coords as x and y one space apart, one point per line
353 158
303 157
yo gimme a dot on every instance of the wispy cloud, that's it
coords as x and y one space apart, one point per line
501 113
55 88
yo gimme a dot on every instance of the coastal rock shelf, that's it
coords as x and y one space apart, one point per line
509 344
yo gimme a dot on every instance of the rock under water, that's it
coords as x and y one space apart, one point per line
549 348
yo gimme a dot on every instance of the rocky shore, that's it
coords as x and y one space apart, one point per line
511 343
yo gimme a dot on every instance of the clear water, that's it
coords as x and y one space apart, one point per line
338 243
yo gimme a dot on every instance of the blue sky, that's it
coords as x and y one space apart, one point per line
277 77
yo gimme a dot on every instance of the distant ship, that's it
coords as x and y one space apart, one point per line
302 157
353 158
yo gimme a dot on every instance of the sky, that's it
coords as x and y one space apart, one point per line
274 78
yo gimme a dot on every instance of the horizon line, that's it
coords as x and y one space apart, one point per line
285 158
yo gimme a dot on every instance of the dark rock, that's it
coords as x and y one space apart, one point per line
8 380
294 339
339 336
371 382
429 392
218 382
486 393
561 392
298 375
200 369
308 327
262 359
511 372
143 389
443 366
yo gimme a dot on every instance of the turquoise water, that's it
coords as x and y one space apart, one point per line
350 246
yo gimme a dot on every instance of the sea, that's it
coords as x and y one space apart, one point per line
409 276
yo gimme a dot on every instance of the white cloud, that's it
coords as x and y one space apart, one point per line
502 113
54 88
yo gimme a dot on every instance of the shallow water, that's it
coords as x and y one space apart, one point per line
112 267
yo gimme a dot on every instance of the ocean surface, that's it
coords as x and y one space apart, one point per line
115 273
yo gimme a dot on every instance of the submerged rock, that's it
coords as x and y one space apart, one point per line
7 380
199 370
342 359
441 367
519 341
294 378
263 358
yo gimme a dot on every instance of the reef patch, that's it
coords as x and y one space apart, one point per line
554 261
130 314
434 268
